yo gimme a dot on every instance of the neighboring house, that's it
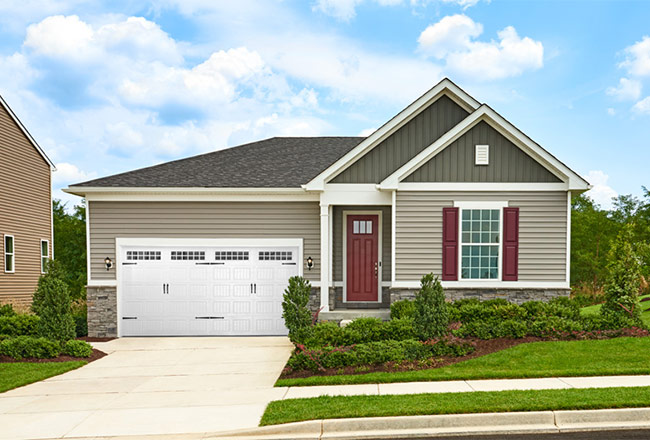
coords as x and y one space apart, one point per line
25 210
205 245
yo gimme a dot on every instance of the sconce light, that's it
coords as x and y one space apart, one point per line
310 263
108 262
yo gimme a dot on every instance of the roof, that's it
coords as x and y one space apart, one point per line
26 133
279 162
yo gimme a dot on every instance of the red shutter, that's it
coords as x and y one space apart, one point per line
449 244
510 244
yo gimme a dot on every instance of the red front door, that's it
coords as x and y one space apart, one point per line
362 255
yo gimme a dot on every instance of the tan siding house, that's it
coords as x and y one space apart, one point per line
205 245
26 213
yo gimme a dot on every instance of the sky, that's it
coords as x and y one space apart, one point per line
107 87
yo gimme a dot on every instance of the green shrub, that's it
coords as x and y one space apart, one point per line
295 310
398 329
326 333
77 349
53 305
404 308
366 329
19 325
29 347
80 325
623 282
431 317
7 310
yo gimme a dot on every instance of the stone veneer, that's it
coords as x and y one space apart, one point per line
516 296
102 311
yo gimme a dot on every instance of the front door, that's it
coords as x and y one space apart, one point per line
362 257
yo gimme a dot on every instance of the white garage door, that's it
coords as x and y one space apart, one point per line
194 290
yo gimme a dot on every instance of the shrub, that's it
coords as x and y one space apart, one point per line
431 317
80 325
623 282
404 308
77 349
52 304
29 347
366 329
326 333
19 325
7 310
398 329
295 310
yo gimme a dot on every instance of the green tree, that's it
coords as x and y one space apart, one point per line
52 304
431 317
295 309
70 246
621 306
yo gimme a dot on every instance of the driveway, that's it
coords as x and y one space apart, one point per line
152 386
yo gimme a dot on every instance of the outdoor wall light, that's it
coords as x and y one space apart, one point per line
108 262
310 263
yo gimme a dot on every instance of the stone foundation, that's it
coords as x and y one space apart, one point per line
339 304
516 296
102 311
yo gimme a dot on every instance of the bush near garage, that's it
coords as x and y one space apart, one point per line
51 302
19 325
22 347
80 349
295 309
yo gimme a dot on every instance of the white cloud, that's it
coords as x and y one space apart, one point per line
345 10
643 106
611 111
628 89
601 192
60 36
463 3
67 173
367 132
637 58
451 34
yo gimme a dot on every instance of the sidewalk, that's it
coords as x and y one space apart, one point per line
460 386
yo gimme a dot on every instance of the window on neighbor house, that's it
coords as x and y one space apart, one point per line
45 254
9 254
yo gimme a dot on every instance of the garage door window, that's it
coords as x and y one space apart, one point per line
188 255
143 255
231 255
275 256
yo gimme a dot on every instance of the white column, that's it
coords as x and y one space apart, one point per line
324 257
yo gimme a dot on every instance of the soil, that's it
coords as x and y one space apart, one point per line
89 339
482 347
97 354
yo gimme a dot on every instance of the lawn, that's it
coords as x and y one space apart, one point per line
17 374
327 407
645 307
619 356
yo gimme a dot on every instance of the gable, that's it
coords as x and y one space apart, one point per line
405 143
507 162
17 149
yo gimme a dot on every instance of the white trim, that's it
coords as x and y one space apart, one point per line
478 186
393 253
121 242
380 233
325 243
354 194
480 284
568 238
479 160
102 283
12 253
196 194
44 256
445 87
330 214
496 121
89 279
27 134
481 205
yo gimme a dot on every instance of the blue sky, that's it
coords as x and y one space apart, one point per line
111 86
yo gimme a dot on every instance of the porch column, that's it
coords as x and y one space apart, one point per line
324 257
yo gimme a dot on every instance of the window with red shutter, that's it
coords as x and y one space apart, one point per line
510 244
449 244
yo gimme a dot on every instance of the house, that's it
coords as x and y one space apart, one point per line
26 215
205 245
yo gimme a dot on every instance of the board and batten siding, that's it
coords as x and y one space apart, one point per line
542 231
507 162
109 220
25 210
405 143
338 246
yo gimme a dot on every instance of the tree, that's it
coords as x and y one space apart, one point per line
70 247
52 304
431 317
295 309
621 306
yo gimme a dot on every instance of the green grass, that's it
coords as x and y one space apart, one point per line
619 356
13 375
327 407
645 316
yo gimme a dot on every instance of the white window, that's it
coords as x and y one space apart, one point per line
10 254
482 155
362 227
480 237
45 254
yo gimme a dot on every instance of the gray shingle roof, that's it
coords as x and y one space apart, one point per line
280 162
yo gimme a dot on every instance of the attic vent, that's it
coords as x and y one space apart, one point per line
482 154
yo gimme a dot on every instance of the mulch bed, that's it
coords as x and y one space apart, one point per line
482 347
97 354
89 339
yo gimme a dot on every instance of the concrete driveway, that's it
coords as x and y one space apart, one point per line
152 386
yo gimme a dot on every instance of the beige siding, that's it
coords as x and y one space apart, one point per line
542 231
337 233
405 143
507 162
25 210
109 220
